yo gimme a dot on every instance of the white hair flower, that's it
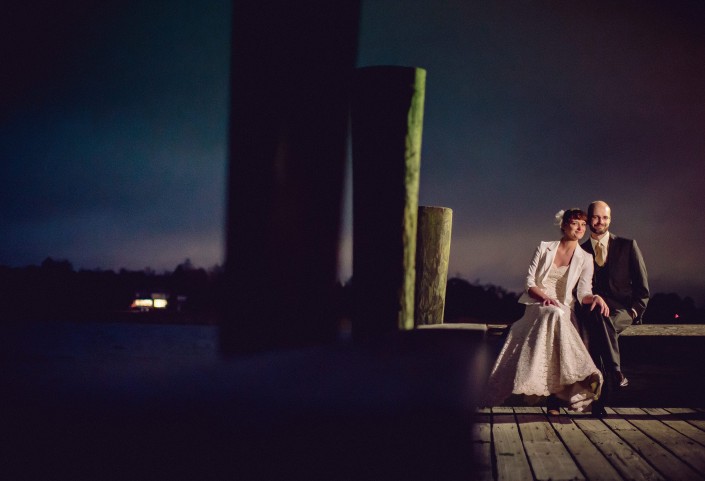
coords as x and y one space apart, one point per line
559 217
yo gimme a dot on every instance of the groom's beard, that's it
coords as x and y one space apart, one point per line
598 230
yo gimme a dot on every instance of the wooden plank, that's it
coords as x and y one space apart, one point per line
469 326
630 444
482 447
589 458
692 416
684 448
661 459
680 425
680 330
512 464
528 410
681 410
502 410
630 465
547 455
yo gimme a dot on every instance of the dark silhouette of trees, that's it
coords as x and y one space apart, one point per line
466 302
192 283
671 309
54 290
487 303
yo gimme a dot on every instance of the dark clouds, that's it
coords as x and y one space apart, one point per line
536 106
113 133
113 121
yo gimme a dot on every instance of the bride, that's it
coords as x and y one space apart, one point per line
543 354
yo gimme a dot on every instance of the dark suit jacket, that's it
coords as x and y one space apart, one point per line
627 273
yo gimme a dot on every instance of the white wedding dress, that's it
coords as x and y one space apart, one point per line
544 354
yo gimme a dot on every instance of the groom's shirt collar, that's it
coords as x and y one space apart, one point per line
604 241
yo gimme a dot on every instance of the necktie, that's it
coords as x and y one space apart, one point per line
599 255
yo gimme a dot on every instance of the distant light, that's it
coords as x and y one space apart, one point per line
159 303
676 316
155 300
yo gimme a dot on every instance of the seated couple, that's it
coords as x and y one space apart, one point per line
544 355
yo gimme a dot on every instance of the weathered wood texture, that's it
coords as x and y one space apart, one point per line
629 444
587 456
662 444
387 116
620 454
432 255
549 458
665 330
482 447
290 76
512 463
650 330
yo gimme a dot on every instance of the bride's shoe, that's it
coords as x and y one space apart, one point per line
553 407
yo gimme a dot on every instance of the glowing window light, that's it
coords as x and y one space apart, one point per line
142 303
160 303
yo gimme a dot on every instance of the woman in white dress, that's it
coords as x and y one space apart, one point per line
544 354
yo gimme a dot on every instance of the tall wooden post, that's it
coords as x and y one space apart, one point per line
432 256
291 67
387 119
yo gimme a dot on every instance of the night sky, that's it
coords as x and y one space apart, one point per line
113 128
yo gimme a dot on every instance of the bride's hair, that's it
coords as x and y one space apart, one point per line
564 217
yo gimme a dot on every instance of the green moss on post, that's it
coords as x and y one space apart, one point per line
387 120
432 256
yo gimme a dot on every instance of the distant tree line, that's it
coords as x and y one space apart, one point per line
468 302
672 309
55 290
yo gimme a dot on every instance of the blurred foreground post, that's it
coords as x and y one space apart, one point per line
432 256
290 72
387 119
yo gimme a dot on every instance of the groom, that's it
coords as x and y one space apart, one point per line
620 279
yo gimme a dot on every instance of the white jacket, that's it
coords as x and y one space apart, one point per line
579 272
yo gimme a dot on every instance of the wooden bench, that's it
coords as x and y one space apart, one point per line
662 361
688 330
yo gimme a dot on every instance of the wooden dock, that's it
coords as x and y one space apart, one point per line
523 443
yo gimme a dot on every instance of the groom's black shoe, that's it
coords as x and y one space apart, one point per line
598 411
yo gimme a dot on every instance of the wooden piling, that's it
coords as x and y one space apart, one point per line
291 67
432 255
387 118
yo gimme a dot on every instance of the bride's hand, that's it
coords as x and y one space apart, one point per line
550 302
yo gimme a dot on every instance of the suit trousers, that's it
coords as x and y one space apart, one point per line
603 335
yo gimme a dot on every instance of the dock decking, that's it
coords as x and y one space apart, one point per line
523 443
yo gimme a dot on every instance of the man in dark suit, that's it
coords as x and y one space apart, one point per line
620 279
